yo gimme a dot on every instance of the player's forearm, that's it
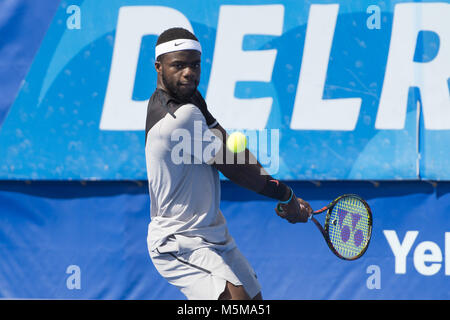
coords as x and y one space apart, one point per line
248 172
246 175
249 176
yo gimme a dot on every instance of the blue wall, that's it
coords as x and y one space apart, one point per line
101 227
357 99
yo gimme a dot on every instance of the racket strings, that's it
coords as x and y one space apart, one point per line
349 227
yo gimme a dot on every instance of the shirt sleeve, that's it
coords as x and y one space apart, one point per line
192 140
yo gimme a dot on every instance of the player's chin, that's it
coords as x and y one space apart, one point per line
186 91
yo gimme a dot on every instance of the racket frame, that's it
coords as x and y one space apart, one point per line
325 230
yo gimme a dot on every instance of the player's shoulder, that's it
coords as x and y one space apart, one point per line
186 117
162 100
188 112
173 112
159 99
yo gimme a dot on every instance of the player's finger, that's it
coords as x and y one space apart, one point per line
280 211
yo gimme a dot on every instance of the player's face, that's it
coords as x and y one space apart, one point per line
179 73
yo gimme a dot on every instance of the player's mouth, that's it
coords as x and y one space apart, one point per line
187 84
187 87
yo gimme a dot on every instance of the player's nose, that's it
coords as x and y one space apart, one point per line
191 71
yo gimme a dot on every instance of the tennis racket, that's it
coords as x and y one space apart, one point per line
348 226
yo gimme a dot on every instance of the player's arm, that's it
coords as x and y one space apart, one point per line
251 175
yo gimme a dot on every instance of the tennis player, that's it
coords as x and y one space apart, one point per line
188 238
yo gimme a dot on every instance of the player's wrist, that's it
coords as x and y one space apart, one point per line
287 196
276 190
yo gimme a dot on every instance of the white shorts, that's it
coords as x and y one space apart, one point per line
202 274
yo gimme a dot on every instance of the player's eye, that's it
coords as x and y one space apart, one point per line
178 66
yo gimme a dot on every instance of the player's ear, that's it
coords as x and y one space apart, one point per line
158 66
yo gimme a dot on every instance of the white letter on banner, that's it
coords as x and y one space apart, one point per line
421 257
447 253
400 250
402 72
231 64
311 112
120 112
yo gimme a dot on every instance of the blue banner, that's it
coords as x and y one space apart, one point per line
329 90
72 240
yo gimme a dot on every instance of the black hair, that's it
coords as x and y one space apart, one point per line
174 34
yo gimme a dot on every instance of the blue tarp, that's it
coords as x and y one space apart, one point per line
47 228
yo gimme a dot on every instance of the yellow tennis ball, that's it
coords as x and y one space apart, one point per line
236 142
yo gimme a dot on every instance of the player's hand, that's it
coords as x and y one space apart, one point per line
296 210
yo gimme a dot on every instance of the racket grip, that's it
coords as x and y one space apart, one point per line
280 209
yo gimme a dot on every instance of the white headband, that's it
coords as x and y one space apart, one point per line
177 45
